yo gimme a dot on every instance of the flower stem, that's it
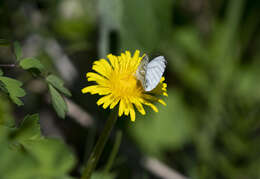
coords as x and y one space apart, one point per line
98 149
114 151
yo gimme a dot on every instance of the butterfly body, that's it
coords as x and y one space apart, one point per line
150 73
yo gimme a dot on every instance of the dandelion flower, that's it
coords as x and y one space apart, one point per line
116 82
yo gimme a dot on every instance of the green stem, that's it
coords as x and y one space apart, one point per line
114 151
98 149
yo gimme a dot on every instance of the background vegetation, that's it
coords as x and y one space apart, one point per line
210 127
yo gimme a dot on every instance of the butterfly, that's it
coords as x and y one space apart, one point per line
150 73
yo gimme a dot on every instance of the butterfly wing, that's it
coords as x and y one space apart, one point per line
141 71
154 72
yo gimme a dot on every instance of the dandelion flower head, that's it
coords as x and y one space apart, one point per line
116 82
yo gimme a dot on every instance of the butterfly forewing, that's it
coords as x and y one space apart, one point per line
141 71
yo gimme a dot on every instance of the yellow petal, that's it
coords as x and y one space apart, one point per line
121 64
162 79
162 102
153 98
114 103
160 89
121 107
124 60
128 54
97 78
136 59
96 89
127 106
104 99
132 112
136 54
150 105
138 105
114 61
86 89
164 85
102 67
108 101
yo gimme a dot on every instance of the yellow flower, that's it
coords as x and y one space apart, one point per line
117 82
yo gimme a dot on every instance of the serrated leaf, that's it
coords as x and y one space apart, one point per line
17 50
58 84
13 87
1 72
58 102
29 129
31 64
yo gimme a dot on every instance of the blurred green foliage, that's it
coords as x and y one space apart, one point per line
27 154
6 117
173 119
103 175
210 126
17 50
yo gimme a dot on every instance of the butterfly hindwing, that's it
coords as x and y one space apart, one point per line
150 73
154 72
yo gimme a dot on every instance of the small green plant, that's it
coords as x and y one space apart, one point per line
25 152
14 89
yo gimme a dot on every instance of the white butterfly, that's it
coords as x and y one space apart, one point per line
150 73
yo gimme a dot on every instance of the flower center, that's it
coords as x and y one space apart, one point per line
125 85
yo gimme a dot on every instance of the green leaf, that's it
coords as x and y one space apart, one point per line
1 72
17 50
58 102
29 129
58 84
13 87
32 64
